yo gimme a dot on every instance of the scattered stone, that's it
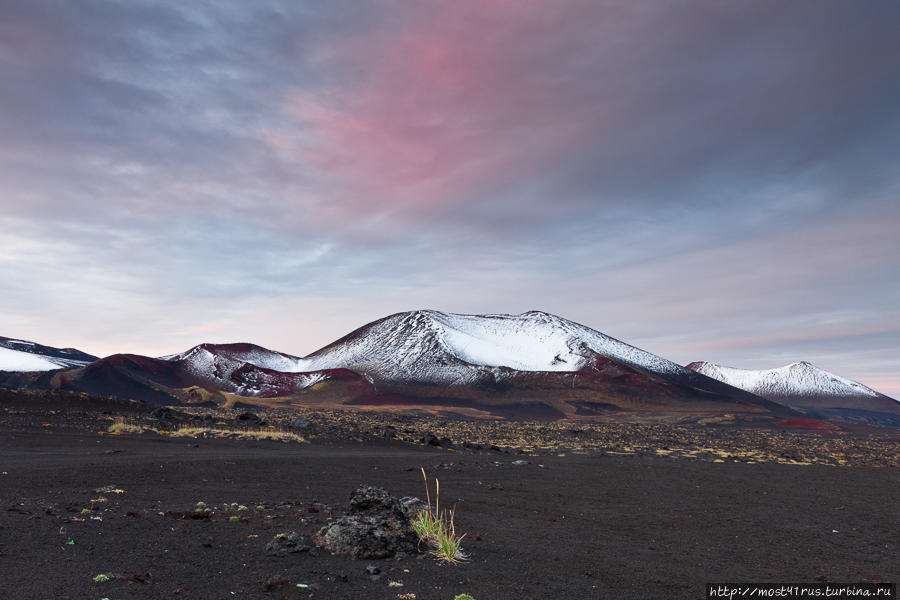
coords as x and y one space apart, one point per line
287 543
273 582
181 514
519 463
136 578
373 570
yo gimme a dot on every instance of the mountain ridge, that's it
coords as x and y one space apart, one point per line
490 362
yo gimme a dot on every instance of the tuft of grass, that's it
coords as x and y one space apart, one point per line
426 526
101 578
437 528
120 426
234 519
463 597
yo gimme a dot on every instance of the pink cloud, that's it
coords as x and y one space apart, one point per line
427 112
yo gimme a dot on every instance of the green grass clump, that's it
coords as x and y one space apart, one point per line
234 519
101 578
463 597
426 526
437 529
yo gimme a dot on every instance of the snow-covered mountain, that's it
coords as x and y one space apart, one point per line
246 369
801 385
428 346
22 355
423 354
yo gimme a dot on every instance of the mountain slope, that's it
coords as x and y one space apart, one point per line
805 387
428 346
534 364
22 355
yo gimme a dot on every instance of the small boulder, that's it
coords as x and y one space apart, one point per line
287 543
250 418
303 424
163 413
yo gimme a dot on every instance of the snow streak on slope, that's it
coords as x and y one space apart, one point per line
433 347
797 379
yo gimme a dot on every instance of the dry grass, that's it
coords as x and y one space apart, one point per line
437 528
240 434
120 426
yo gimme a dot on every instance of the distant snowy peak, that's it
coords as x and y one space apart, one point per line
244 369
436 347
203 355
22 355
797 379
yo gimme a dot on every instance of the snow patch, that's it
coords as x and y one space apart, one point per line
16 360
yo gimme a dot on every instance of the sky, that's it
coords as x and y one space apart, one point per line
705 180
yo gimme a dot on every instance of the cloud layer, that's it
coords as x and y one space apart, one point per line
705 180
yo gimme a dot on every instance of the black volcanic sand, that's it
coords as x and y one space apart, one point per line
573 526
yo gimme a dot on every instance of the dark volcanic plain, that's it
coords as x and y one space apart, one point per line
596 511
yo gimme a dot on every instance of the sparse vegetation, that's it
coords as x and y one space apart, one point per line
101 578
437 528
268 434
463 597
120 426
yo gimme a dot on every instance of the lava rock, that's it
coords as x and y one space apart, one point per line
250 418
287 543
163 413
374 501
301 423
412 506
377 527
